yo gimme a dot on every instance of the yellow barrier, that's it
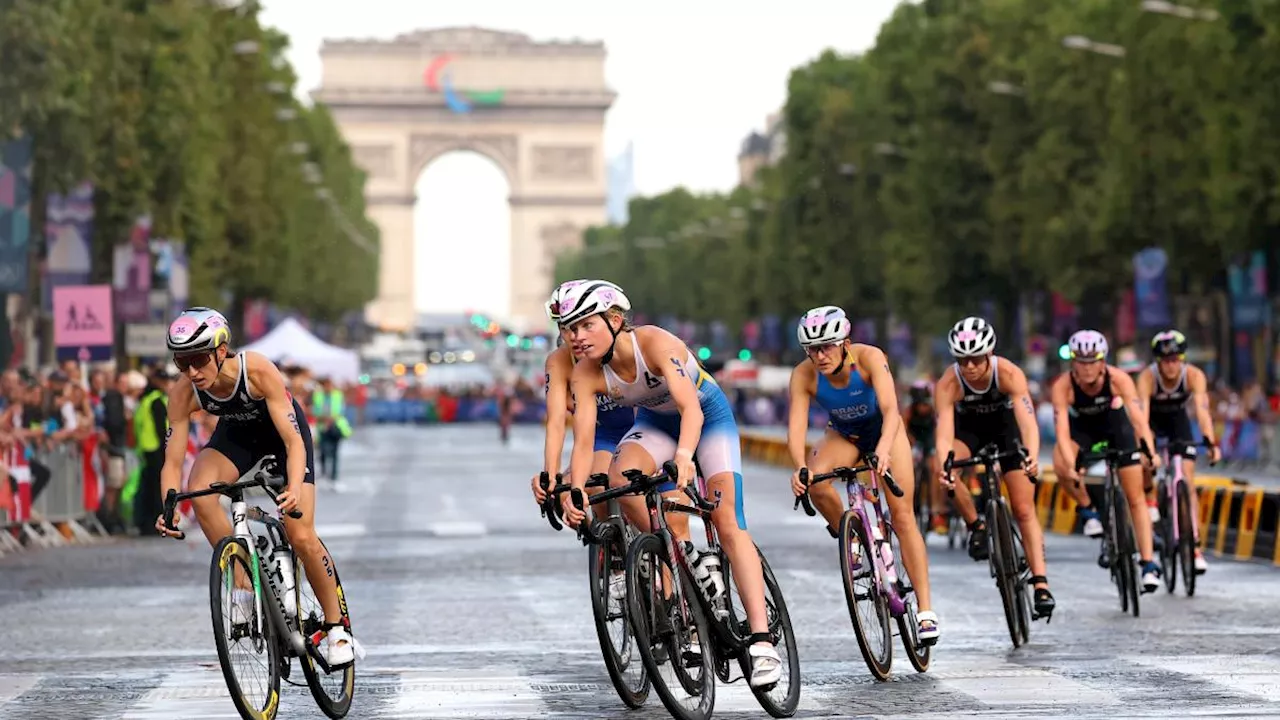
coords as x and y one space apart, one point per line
1237 508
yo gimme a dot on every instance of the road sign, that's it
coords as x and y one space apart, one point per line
146 339
83 326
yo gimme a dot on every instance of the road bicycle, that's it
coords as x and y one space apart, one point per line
1006 554
607 543
1177 529
924 507
1119 546
691 631
873 588
283 622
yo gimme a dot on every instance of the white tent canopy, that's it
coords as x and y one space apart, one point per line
291 344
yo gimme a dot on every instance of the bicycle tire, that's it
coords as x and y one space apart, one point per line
1003 565
1025 591
1126 549
638 612
335 708
786 634
922 501
1187 540
851 531
1168 549
600 560
908 626
230 550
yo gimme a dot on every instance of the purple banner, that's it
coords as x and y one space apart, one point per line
1151 298
68 233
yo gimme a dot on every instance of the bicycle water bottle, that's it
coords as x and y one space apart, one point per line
282 565
706 573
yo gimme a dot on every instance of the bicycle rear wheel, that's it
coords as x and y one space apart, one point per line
782 699
255 684
1187 541
867 607
621 658
331 691
908 625
663 628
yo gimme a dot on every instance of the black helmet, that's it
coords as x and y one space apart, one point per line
1168 344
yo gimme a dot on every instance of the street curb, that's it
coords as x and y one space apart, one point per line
1237 520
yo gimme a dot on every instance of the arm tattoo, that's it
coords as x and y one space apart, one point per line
293 419
679 367
168 433
1026 405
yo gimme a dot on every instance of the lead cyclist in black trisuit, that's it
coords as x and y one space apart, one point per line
256 417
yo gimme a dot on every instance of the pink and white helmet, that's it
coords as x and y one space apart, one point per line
587 298
553 304
197 329
1087 346
971 337
824 325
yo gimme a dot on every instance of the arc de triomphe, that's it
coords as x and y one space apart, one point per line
535 108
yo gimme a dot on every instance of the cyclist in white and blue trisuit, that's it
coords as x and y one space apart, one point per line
257 416
852 382
680 410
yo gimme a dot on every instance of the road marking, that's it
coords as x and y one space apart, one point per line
450 694
342 530
1255 675
190 694
11 686
457 528
994 682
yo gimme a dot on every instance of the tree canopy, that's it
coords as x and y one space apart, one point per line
976 156
185 111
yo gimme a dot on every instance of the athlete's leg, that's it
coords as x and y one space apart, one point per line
830 452
642 449
1022 501
963 500
211 466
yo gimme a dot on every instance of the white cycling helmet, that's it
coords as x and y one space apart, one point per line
971 337
824 325
553 304
1087 345
587 298
197 329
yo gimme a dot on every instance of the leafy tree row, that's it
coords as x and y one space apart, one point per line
185 110
974 155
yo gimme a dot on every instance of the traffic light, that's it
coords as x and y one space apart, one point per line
513 340
704 353
526 344
1064 352
744 355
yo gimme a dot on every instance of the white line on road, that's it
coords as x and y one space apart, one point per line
449 694
1255 675
11 686
992 681
342 530
190 694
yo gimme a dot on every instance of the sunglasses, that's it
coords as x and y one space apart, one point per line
192 361
974 361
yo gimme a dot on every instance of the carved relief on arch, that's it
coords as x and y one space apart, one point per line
502 149
558 238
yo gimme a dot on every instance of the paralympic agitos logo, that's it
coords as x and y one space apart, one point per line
439 80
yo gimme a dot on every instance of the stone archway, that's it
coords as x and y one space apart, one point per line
535 108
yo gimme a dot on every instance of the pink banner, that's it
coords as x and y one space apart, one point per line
82 316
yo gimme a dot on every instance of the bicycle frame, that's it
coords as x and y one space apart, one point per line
859 496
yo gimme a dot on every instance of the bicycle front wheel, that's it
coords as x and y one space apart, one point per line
1186 541
332 691
1126 548
782 699
666 627
867 606
1168 546
606 570
1004 559
248 649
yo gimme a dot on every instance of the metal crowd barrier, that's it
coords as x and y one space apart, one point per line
58 513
